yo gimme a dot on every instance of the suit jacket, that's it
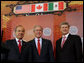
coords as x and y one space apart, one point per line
4 52
71 51
46 54
14 54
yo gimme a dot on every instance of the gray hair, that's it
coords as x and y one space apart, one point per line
37 26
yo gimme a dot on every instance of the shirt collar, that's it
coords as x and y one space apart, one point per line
18 39
36 41
37 38
65 35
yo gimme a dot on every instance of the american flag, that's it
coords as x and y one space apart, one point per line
22 9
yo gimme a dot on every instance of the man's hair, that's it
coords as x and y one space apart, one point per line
37 26
64 23
17 27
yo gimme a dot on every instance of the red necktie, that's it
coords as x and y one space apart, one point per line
39 46
63 41
19 46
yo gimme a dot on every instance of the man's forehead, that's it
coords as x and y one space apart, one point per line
20 26
38 28
64 25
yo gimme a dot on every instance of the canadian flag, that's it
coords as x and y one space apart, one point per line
39 7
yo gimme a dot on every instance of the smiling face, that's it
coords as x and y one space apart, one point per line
38 31
19 32
64 29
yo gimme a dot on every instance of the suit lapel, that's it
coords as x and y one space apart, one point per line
34 47
66 42
23 46
16 46
60 43
43 46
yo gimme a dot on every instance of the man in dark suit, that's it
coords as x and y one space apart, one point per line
4 52
69 47
17 45
41 49
4 49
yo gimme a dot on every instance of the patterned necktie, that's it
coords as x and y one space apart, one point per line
63 42
39 46
19 46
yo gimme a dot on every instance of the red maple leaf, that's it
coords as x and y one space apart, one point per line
39 7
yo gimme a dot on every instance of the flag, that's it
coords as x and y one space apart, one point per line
39 7
56 6
22 9
53 6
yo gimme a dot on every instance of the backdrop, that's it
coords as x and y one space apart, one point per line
50 23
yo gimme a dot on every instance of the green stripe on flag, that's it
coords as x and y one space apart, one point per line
50 6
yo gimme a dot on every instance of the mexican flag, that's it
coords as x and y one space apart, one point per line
43 7
56 6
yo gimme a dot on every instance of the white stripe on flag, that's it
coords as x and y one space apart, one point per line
39 8
55 6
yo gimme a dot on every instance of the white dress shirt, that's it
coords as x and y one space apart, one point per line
65 38
36 42
18 42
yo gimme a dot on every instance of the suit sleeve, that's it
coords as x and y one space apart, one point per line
27 54
4 51
51 53
56 51
78 48
7 43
